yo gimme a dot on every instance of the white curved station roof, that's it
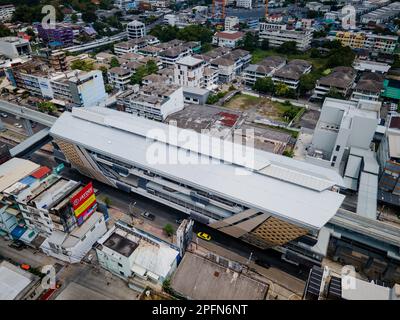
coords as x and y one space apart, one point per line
293 190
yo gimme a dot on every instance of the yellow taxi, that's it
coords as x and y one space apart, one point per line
204 236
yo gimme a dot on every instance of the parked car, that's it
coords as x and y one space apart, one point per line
148 215
18 125
25 266
204 236
18 245
4 115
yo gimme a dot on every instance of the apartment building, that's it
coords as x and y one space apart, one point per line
369 41
56 60
369 87
228 39
129 253
265 68
291 73
60 36
6 12
169 57
371 66
382 15
74 88
342 125
58 215
130 46
153 101
125 5
119 77
277 37
136 29
210 78
341 80
231 64
14 47
188 72
231 23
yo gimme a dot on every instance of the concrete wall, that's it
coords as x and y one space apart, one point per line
93 92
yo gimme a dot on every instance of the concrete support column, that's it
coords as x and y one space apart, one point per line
2 127
28 127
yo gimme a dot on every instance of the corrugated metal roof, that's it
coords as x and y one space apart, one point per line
123 136
14 170
40 173
367 195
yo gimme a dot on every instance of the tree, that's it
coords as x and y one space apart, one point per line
108 88
342 56
206 47
47 107
250 41
290 113
4 31
168 229
164 33
138 76
107 201
307 82
82 65
333 93
214 98
151 67
89 16
31 33
74 18
314 53
195 32
288 153
114 62
288 47
264 85
265 44
282 90
334 44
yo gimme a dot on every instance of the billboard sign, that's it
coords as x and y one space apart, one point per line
84 203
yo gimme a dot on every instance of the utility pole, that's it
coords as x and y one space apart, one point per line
249 259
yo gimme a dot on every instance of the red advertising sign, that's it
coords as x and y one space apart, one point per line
83 200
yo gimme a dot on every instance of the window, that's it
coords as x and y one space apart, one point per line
92 229
337 148
119 265
122 274
334 158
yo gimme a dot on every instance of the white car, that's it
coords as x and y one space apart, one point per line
4 115
18 125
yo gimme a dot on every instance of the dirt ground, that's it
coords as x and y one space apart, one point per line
262 106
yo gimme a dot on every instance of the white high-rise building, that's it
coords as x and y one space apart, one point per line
136 29
231 22
6 12
188 72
